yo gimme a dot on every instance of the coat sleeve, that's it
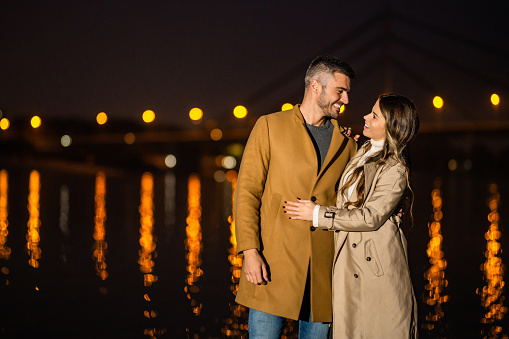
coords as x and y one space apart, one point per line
388 191
250 186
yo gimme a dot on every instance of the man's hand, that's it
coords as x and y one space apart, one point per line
254 267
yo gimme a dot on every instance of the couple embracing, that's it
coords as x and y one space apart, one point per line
317 220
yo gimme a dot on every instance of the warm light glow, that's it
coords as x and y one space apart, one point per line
495 99
101 118
453 165
34 222
236 324
129 138
216 134
286 107
147 241
193 241
436 273
438 102
66 141
491 294
342 109
36 122
219 176
148 116
195 114
4 123
229 162
100 246
240 112
170 161
5 251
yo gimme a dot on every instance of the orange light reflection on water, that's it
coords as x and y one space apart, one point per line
5 251
436 273
147 251
493 268
193 241
100 246
236 324
33 236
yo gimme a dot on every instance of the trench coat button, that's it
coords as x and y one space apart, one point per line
368 259
354 245
313 198
355 275
312 229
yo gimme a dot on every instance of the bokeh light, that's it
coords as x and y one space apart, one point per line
36 121
342 109
101 118
195 114
4 123
240 112
148 116
495 99
286 107
129 138
66 141
438 102
216 134
452 164
229 162
170 161
219 176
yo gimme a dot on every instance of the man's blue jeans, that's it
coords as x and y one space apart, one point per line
267 326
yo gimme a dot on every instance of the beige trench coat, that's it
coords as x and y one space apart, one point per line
372 291
280 163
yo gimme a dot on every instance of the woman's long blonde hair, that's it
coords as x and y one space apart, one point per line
401 126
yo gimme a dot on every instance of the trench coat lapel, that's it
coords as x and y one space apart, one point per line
369 174
307 146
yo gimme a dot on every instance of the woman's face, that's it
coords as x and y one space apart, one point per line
374 124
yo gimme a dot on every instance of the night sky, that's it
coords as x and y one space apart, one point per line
74 59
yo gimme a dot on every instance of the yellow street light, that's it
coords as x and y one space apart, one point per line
495 99
240 112
148 116
4 123
438 102
286 107
195 114
101 118
35 121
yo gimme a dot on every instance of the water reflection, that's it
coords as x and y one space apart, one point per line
5 251
100 246
33 236
64 220
169 202
193 242
493 268
436 273
236 324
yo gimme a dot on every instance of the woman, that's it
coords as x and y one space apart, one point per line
372 291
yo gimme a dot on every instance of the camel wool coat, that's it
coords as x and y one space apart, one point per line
280 163
372 292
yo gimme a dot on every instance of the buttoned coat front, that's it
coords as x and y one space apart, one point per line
280 163
372 291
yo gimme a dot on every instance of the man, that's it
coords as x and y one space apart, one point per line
299 153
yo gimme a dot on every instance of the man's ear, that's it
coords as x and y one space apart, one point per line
316 86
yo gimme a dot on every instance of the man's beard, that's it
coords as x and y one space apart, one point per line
326 107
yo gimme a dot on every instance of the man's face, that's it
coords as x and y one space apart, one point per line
334 94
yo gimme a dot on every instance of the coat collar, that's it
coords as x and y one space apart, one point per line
337 141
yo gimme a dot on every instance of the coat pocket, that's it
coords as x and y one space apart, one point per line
372 258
